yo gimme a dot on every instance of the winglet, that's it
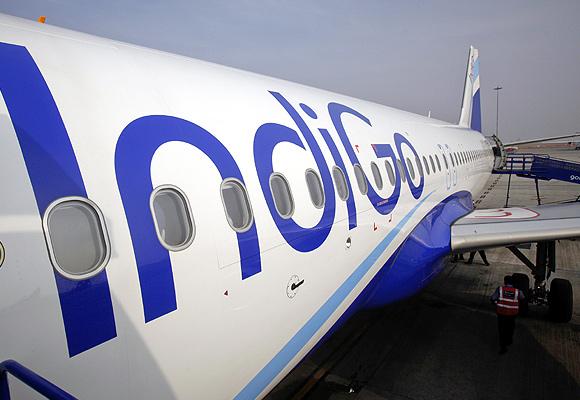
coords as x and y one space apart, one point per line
471 105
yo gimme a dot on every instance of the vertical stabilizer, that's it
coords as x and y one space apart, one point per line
471 106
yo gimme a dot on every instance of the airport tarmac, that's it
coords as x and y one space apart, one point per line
442 343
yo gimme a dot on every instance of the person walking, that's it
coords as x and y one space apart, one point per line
507 301
481 253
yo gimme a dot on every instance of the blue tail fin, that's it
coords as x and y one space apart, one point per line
471 105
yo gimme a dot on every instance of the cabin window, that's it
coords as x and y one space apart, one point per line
438 163
432 163
282 195
446 163
172 217
390 172
236 205
340 182
377 175
410 168
77 239
315 188
426 165
361 179
401 171
419 166
451 158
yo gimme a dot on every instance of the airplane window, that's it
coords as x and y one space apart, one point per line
438 163
340 182
451 158
432 163
410 168
419 165
361 179
172 217
315 188
426 165
446 163
377 175
401 170
282 195
77 239
236 205
390 172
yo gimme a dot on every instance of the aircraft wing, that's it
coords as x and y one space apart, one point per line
544 139
499 227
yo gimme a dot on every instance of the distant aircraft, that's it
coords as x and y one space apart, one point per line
171 228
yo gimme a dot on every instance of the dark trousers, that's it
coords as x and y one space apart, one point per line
481 253
505 327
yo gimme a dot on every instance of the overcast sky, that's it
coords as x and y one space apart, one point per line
406 54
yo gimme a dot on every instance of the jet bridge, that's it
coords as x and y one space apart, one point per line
538 167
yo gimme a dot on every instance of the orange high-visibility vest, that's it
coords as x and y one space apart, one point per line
508 303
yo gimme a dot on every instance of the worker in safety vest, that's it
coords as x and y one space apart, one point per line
507 300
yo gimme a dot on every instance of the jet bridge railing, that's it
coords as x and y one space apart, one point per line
538 167
30 379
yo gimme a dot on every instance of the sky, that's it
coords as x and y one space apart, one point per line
405 54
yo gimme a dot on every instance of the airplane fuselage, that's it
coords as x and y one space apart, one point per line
237 307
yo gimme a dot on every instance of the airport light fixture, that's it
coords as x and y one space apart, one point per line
497 89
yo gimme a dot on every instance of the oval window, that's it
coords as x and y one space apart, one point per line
438 163
77 239
426 165
432 164
390 172
361 179
236 205
419 166
402 171
282 195
1 254
172 217
446 163
410 168
315 188
340 182
377 175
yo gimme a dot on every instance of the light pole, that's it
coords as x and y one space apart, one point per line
497 89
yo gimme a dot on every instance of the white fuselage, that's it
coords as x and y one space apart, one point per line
225 329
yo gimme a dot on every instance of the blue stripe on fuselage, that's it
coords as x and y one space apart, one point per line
299 340
87 309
